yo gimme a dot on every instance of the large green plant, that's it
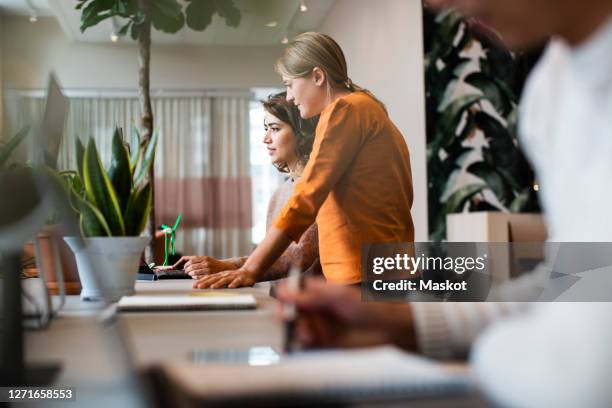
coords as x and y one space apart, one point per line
168 16
453 118
117 201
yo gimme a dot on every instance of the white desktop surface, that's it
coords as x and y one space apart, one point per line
78 341
90 358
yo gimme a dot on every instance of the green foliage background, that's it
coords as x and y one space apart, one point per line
453 119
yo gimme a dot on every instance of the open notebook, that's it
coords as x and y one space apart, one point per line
313 378
143 303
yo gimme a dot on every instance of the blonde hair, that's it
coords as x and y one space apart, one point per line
310 50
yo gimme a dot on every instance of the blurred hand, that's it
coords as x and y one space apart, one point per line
335 316
231 279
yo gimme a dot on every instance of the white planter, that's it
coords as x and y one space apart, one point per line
114 259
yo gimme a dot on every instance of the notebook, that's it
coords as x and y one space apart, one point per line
312 378
143 303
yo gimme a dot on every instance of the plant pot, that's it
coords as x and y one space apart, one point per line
115 259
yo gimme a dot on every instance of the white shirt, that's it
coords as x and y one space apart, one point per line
560 354
565 127
555 354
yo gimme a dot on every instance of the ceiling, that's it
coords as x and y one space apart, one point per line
24 7
251 31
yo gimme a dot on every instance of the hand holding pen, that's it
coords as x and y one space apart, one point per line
289 310
331 315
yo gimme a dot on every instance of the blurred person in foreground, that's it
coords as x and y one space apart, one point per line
539 354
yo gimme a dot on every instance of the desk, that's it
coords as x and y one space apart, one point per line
152 336
78 341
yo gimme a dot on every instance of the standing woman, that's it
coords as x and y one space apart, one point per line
357 183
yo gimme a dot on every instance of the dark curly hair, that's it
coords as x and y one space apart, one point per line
303 129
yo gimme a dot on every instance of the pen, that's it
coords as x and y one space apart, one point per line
293 282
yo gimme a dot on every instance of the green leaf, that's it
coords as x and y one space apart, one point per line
502 151
11 145
519 203
451 117
73 180
133 11
119 171
138 16
229 12
449 25
488 86
76 189
92 221
100 191
494 180
138 209
199 14
449 169
80 153
134 147
135 31
124 30
167 15
457 200
96 11
448 95
149 157
119 8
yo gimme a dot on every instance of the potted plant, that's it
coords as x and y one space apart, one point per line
113 207
139 18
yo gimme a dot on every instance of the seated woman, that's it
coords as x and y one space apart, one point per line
289 141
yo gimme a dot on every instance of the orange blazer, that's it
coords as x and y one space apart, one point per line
357 185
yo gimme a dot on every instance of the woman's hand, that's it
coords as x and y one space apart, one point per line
231 279
335 316
268 251
198 266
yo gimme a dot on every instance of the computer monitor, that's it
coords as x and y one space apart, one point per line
52 126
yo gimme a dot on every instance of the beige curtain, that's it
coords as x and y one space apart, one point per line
202 163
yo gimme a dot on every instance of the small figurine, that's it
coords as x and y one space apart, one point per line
169 246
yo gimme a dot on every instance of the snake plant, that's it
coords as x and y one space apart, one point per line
117 201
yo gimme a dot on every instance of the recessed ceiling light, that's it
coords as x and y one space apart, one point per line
285 40
272 24
303 7
114 37
33 18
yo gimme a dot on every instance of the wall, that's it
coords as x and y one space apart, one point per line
35 49
383 44
382 40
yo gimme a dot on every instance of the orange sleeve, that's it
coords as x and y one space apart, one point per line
338 139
